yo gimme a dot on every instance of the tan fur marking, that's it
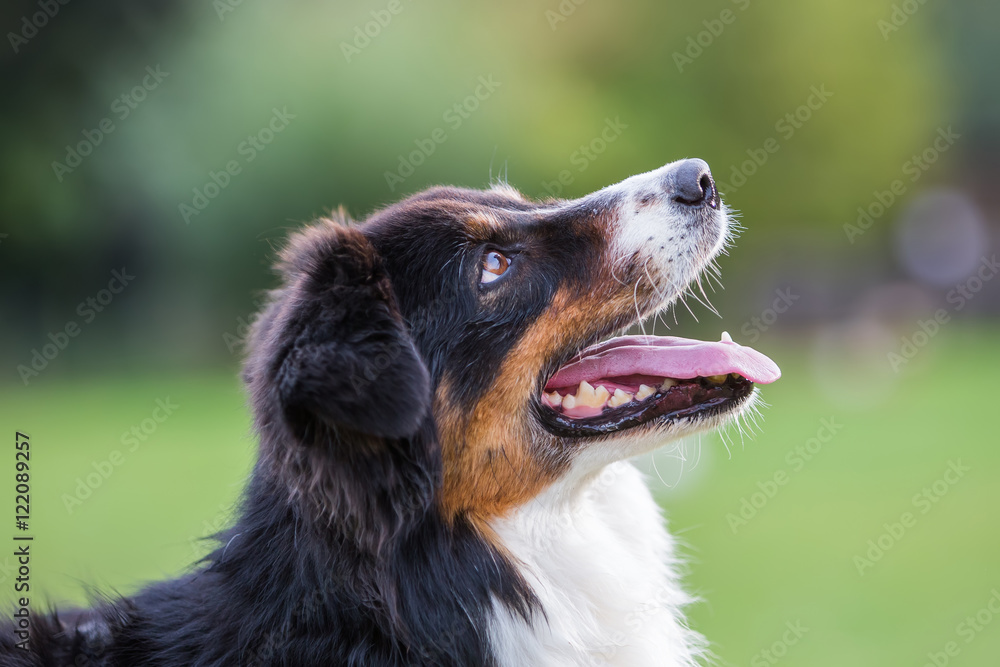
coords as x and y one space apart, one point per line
481 224
495 456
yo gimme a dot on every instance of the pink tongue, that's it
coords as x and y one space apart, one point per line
664 356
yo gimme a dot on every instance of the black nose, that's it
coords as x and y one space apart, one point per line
693 184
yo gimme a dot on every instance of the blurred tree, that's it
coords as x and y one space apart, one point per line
364 89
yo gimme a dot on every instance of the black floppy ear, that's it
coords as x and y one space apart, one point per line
339 351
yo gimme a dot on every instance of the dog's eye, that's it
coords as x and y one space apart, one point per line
495 265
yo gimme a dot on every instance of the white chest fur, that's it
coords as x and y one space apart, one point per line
601 562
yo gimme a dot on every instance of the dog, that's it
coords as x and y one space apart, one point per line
444 422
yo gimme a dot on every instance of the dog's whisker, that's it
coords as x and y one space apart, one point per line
657 471
682 298
689 291
635 301
617 279
723 436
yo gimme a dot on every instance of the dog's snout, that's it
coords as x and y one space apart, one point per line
693 184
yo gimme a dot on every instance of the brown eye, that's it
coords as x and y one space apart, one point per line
494 266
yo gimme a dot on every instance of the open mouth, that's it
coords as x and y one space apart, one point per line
631 380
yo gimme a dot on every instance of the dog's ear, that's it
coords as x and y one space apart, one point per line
333 344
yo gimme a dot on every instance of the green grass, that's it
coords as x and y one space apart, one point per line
792 562
795 559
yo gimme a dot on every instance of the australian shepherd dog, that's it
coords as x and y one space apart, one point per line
445 410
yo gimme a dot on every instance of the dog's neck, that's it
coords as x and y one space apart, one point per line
602 565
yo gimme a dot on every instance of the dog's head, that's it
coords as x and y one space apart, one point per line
471 322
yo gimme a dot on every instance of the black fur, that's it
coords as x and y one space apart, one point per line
336 332
340 554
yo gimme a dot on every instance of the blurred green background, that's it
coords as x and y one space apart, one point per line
859 141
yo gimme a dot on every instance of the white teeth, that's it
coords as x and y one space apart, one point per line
589 396
586 395
620 398
726 338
